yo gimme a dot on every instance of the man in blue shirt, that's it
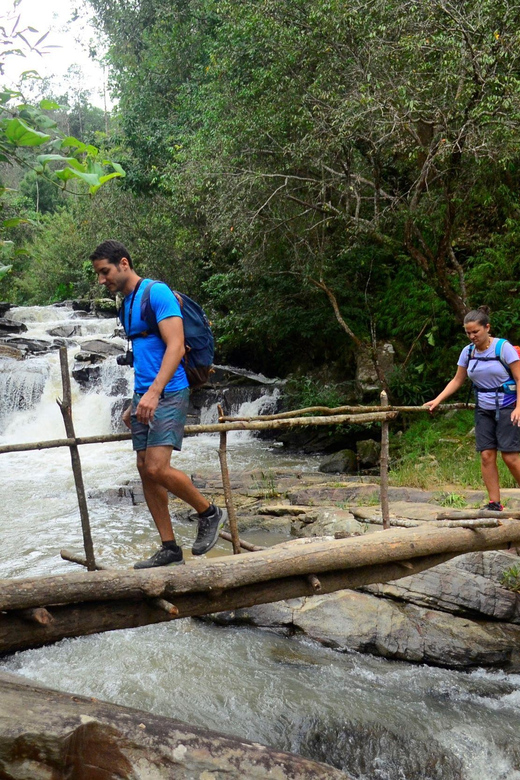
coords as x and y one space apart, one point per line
159 406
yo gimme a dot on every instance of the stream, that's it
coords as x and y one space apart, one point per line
373 718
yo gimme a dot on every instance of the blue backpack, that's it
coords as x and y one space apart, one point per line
198 337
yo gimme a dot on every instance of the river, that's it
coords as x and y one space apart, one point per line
375 719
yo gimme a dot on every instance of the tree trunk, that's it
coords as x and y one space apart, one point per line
45 733
296 558
91 617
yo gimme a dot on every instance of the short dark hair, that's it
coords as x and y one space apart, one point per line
113 251
480 316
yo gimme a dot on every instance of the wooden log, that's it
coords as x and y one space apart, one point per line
306 556
342 410
66 411
314 583
471 514
166 606
481 522
38 615
383 487
96 617
49 734
228 493
243 544
193 430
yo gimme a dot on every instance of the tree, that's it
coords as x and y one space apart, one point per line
26 130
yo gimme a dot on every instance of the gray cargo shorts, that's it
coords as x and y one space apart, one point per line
167 427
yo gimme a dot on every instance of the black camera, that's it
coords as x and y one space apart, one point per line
126 360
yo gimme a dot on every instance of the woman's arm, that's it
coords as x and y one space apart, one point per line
451 388
515 370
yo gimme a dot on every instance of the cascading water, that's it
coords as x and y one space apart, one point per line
376 719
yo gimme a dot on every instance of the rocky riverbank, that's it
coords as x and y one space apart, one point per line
456 615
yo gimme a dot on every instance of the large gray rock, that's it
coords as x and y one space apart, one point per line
348 620
369 452
342 462
11 326
46 734
330 521
453 587
102 347
366 374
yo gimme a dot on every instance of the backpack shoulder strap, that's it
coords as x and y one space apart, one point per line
499 353
147 312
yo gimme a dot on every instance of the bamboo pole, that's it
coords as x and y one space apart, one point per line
66 410
383 467
228 495
343 410
193 430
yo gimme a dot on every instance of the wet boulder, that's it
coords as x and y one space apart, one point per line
102 347
104 307
368 452
11 326
82 304
342 462
4 308
65 331
8 351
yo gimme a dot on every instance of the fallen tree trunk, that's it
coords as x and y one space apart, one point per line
45 733
96 617
297 558
470 514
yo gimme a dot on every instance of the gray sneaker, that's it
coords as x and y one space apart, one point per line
209 528
163 557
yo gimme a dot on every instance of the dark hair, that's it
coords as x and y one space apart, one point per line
480 315
111 250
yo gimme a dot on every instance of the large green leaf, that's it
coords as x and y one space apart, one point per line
20 134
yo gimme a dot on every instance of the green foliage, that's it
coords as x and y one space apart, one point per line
452 500
438 451
510 579
305 391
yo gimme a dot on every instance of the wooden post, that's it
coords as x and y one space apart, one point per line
226 484
385 509
66 410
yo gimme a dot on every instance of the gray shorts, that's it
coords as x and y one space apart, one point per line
492 434
167 427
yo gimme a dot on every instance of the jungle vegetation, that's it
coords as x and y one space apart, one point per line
323 176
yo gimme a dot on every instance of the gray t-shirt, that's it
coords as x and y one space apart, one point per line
490 373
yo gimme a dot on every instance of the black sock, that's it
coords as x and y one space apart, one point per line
171 545
207 511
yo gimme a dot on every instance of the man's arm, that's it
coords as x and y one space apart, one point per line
172 333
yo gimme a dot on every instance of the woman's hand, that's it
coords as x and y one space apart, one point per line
515 415
431 405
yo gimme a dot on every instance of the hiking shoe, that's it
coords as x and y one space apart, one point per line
493 506
163 557
208 531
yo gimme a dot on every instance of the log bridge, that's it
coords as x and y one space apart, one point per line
42 610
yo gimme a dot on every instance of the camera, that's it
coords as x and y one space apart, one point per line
126 360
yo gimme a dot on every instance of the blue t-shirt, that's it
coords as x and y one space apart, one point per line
149 351
490 373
